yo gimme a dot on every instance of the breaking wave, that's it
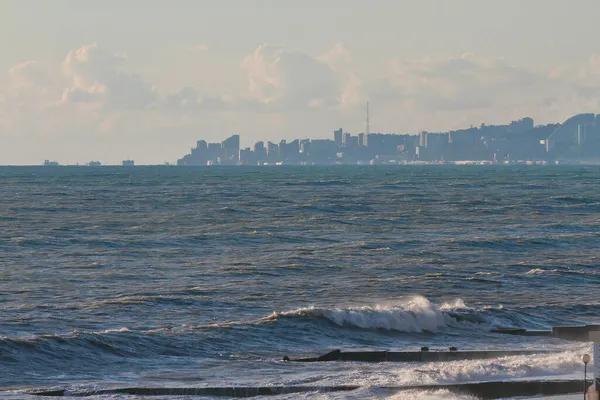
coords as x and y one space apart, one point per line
505 368
413 315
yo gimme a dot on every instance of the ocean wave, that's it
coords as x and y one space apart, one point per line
90 345
413 315
537 271
408 315
60 348
419 315
505 368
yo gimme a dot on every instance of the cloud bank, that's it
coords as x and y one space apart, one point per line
96 92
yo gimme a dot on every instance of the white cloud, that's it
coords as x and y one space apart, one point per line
456 83
98 76
27 75
447 93
291 79
338 58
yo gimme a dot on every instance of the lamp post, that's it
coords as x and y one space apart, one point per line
586 360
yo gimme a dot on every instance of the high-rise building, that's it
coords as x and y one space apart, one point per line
361 140
199 154
259 147
260 152
231 149
346 139
423 139
272 150
305 146
281 150
246 156
580 134
352 142
337 137
365 141
214 153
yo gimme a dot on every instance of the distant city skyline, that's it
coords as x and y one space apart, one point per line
576 140
144 80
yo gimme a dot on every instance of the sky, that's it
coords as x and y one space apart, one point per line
110 80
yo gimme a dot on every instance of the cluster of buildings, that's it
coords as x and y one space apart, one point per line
576 139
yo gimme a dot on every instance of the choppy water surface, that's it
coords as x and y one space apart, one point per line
158 276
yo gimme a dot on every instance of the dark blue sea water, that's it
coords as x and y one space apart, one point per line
183 277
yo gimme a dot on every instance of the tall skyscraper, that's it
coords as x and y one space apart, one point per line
346 139
423 136
260 151
337 137
231 148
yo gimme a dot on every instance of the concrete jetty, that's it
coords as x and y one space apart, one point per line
581 333
482 390
414 356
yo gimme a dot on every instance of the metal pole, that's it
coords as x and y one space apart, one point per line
596 366
585 381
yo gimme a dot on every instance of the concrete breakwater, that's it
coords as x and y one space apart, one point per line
579 333
414 356
482 390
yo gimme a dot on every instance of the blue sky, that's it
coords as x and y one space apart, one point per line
106 80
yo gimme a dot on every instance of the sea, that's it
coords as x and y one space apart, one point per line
186 277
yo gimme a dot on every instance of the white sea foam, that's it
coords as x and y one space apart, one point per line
505 368
372 378
538 271
560 365
429 395
455 304
372 393
415 314
104 332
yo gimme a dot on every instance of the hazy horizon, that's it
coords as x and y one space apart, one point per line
103 80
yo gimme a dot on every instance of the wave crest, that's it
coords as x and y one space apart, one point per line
413 315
